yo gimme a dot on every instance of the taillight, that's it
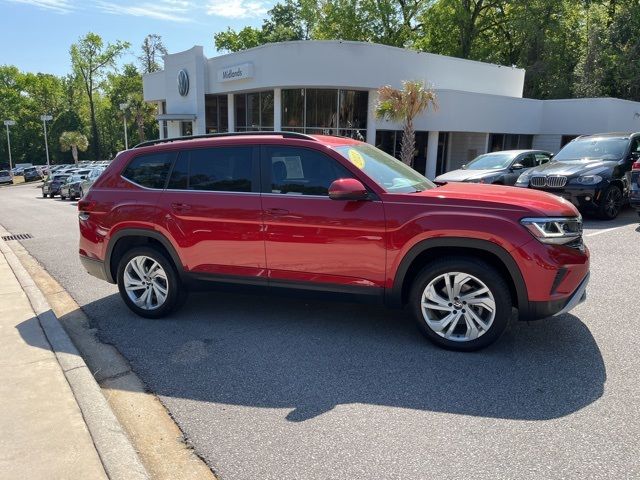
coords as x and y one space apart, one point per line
636 166
84 209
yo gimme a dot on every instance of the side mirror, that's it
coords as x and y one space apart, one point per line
464 166
517 166
348 189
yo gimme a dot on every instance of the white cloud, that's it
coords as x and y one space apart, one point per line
169 10
238 8
60 6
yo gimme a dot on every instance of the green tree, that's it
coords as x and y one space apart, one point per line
152 50
290 20
404 106
90 59
73 141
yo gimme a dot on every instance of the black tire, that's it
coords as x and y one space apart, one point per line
483 272
62 197
611 203
44 195
176 295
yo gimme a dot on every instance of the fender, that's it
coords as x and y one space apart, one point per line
140 232
394 297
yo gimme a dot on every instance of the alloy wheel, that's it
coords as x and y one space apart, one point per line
458 306
613 202
145 282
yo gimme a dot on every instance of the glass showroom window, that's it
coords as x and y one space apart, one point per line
216 113
325 111
254 111
503 141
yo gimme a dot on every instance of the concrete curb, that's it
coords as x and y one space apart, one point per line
116 452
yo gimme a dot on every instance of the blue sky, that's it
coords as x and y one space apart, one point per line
35 35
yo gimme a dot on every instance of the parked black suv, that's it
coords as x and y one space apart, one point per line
593 172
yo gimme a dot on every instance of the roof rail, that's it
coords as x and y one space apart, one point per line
300 136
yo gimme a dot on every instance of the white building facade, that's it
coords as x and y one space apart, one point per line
329 87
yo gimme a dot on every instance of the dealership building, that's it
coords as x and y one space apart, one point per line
329 87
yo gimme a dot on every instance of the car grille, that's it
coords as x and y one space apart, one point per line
551 182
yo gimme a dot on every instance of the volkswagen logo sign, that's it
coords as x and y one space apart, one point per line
183 83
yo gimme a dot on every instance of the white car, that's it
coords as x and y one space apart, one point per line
5 177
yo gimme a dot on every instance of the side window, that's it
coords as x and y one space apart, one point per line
302 171
224 169
541 158
528 161
149 170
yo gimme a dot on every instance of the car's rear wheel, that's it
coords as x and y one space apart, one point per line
44 195
461 303
148 283
611 203
62 197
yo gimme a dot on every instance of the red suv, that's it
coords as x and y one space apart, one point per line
320 213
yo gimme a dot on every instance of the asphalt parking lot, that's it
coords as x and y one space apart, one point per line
269 387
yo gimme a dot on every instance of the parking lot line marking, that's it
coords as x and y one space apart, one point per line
603 231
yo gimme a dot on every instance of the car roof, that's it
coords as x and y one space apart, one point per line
250 138
608 134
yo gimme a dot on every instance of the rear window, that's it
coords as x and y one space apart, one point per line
220 169
149 170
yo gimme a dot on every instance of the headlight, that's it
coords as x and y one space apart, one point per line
555 230
523 179
587 179
482 180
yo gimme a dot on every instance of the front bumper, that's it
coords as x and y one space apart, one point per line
581 196
538 310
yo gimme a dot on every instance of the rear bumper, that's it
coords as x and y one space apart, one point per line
94 267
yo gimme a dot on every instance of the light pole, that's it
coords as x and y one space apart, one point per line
9 123
45 119
123 107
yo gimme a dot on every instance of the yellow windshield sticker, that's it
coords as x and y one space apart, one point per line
356 158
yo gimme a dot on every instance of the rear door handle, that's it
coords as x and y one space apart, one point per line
277 212
180 207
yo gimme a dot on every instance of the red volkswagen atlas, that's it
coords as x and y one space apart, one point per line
320 213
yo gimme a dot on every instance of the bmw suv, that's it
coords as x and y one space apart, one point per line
593 172
334 215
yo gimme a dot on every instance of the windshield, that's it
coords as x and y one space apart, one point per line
74 178
491 161
4 173
391 174
602 148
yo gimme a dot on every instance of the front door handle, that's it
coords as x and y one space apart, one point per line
180 207
277 212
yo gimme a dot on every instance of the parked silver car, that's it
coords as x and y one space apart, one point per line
5 177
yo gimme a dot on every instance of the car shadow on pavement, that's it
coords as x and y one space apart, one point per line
310 356
626 217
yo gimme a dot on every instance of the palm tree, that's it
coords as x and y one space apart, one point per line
73 141
404 106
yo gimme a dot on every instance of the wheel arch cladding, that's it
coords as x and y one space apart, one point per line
126 239
425 251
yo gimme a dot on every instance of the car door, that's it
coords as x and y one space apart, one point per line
310 239
212 209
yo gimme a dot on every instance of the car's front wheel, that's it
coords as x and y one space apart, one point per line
610 203
461 303
149 283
